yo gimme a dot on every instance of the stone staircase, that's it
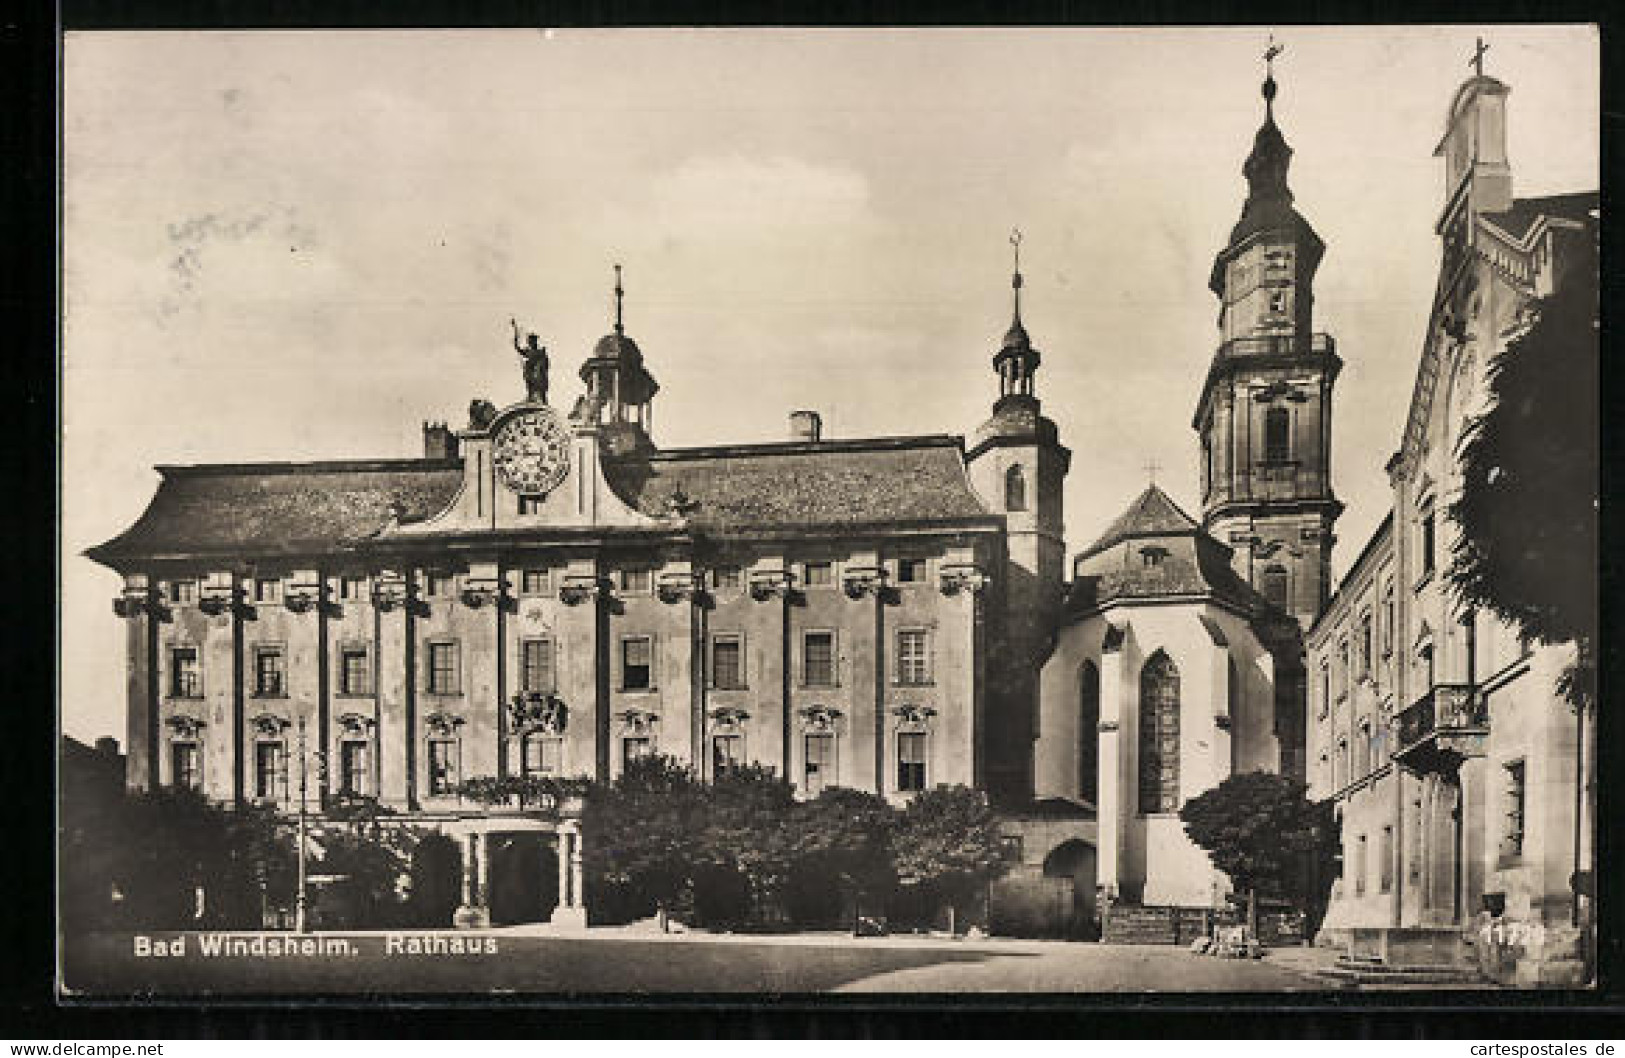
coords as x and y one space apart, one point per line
1367 972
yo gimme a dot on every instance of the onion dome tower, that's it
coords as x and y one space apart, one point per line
1018 466
1265 413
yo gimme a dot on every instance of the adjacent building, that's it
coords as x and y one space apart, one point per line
1455 766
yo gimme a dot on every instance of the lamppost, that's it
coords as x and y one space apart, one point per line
300 898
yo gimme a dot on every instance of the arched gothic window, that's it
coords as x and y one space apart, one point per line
1159 735
1277 435
1088 731
1015 489
1273 585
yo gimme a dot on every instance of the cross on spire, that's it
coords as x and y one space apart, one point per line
1270 53
619 293
1151 468
1477 61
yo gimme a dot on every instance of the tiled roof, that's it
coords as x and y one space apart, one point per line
1194 565
1188 562
806 485
290 508
1518 220
308 508
1150 514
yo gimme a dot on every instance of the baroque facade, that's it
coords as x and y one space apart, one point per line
1454 765
553 594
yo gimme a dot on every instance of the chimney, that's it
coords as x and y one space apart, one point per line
438 441
806 426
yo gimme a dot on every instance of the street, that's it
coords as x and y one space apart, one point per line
614 961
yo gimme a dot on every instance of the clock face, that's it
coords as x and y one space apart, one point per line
532 453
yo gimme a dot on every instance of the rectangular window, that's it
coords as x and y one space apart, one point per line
727 672
1340 765
185 673
1388 620
267 589
1359 865
442 767
636 657
355 671
818 659
1427 543
910 760
534 582
1365 646
1277 435
910 570
818 574
536 666
530 504
183 592
1385 869
1325 689
352 768
353 588
436 584
637 581
635 747
1011 847
443 668
1342 669
818 770
727 753
726 578
269 673
1362 750
267 770
544 755
185 765
1515 791
913 659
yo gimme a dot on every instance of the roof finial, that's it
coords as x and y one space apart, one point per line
1015 278
1477 61
1151 468
1270 53
619 294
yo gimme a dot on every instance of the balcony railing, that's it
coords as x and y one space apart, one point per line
1439 729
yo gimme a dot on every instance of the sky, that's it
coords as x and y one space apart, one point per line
301 245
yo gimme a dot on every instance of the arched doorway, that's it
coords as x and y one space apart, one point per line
1073 861
436 870
524 877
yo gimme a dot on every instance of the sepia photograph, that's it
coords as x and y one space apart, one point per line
561 513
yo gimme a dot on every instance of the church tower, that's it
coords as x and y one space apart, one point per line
1018 466
1265 414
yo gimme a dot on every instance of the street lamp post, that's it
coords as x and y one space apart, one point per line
299 896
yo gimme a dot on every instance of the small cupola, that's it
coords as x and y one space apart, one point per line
1017 361
620 390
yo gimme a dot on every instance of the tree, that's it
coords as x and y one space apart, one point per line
744 838
1530 467
638 835
174 860
840 844
946 846
1264 832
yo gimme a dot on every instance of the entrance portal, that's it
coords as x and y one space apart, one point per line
524 884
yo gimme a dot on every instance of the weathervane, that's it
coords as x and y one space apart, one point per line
1477 61
619 293
1015 279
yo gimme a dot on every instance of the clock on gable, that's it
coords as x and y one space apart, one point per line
531 452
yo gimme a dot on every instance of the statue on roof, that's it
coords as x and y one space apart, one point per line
535 364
